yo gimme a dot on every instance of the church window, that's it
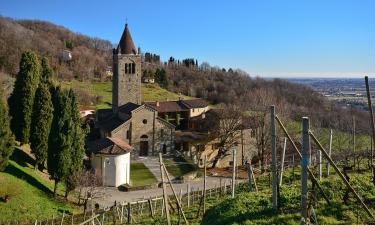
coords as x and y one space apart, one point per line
127 68
162 133
133 68
128 134
144 121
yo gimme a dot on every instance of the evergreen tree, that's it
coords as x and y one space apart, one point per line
60 139
161 77
46 74
6 136
77 148
21 100
41 124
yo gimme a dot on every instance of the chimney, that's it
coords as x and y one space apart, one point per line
157 104
180 98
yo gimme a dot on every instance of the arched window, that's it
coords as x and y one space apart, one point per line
144 136
133 68
127 69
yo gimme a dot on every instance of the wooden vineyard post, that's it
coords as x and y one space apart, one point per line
165 196
150 207
304 166
313 178
371 115
129 213
174 193
249 177
188 195
204 184
234 172
341 175
282 163
273 151
329 151
254 180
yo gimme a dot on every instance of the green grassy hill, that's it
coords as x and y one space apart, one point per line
30 192
150 92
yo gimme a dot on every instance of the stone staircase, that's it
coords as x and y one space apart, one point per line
152 163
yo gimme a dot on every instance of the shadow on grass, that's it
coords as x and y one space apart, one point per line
22 158
12 170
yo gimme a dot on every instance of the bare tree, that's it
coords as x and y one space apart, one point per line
224 126
89 184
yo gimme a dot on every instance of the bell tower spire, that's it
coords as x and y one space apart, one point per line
126 72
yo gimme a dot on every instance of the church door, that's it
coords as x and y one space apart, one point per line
143 148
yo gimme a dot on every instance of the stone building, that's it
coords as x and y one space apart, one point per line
137 124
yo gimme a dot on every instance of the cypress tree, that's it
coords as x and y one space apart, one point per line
60 139
21 100
77 148
42 115
41 124
46 74
6 136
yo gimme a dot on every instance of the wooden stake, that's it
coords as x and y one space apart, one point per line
174 193
129 213
204 184
341 175
274 163
234 172
313 178
164 189
188 195
282 163
252 175
304 165
151 209
249 177
329 151
371 114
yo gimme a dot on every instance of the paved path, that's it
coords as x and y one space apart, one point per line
113 194
152 163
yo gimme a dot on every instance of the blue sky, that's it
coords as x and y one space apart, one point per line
262 37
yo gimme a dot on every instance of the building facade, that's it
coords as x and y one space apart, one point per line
137 124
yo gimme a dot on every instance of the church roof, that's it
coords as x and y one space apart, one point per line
195 103
111 123
110 146
178 106
128 107
126 44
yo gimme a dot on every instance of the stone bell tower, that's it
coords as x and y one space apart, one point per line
126 81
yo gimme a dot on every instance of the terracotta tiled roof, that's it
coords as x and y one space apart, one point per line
126 43
178 106
195 103
168 106
110 146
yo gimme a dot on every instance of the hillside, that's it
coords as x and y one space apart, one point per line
90 56
30 192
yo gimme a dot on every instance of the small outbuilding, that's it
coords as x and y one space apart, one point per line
111 160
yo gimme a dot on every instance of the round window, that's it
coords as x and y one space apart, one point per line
144 121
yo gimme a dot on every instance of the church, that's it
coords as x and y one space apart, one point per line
137 124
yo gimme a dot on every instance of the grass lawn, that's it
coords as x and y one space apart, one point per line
140 175
179 167
150 92
30 192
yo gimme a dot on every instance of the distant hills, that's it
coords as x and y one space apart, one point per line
89 56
